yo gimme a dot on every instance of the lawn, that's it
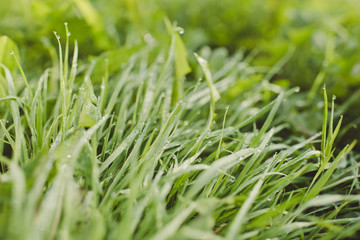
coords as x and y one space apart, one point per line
165 119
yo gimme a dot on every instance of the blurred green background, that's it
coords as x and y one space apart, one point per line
324 36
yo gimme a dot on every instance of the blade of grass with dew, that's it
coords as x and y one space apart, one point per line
17 155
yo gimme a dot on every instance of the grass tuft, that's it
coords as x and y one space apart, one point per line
120 146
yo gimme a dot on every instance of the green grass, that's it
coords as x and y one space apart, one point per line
149 142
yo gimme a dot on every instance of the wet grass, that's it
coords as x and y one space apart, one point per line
103 150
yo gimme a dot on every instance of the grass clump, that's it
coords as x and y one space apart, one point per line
123 147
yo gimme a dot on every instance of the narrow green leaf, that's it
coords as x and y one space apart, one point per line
205 67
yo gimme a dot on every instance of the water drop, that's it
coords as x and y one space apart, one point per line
65 23
102 86
11 52
297 89
231 179
334 97
180 30
149 39
68 34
